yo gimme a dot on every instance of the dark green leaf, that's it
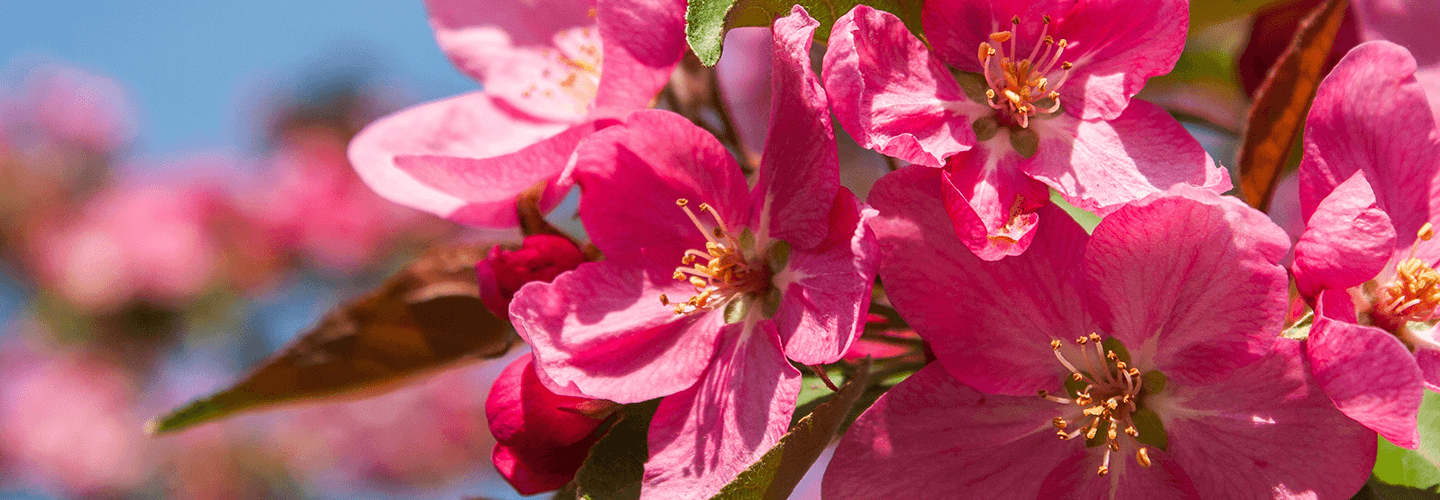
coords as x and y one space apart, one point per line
1282 102
705 28
616 464
777 473
426 317
1377 490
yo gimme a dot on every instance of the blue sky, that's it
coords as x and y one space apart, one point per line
195 68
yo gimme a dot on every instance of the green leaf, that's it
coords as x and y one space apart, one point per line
1420 467
426 317
616 463
1086 219
777 473
1282 102
1301 329
707 21
705 28
1211 12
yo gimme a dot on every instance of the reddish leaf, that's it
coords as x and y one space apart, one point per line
1278 114
426 317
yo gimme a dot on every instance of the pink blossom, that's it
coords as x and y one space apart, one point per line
1163 325
1066 122
148 242
541 437
67 105
553 71
1366 261
765 276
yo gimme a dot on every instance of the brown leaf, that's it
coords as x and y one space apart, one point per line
1278 114
426 317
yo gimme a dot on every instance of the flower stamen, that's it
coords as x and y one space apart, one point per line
1017 86
725 273
1414 294
1110 396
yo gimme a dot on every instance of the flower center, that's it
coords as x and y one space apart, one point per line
1108 400
1414 294
1020 88
725 273
573 69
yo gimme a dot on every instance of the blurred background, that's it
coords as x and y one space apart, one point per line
176 204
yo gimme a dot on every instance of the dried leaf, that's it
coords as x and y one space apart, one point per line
1278 114
426 317
780 470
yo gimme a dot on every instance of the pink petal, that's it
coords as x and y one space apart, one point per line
600 330
1115 46
555 82
468 126
827 288
1428 360
489 186
1241 437
1370 375
477 33
1097 165
1405 22
1126 479
1183 279
992 202
932 437
644 40
744 76
891 94
799 171
702 438
990 323
1353 126
522 412
633 175
1348 241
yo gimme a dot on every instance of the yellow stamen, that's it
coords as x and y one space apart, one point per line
1017 84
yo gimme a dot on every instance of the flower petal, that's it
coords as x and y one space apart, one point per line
536 470
522 412
1098 165
489 186
1185 282
799 171
644 40
702 438
891 94
933 437
1347 242
1370 375
827 288
475 34
989 323
991 202
1369 97
600 330
633 175
465 126
1240 438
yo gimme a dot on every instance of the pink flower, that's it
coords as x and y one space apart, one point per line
68 105
1159 333
1045 102
765 276
542 438
553 71
1365 261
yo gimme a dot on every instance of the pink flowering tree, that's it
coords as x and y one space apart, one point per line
1046 294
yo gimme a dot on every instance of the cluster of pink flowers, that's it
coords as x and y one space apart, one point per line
1143 359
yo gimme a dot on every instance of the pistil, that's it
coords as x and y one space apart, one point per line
1110 396
1019 87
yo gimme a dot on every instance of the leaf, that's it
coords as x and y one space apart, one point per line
1282 102
1420 467
777 473
616 464
426 317
707 21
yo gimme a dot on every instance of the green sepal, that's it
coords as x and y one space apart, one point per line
1152 430
778 255
771 303
985 128
1025 141
1153 382
736 310
1114 345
